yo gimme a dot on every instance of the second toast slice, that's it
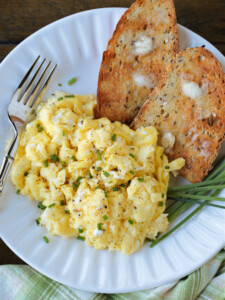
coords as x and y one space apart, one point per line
189 104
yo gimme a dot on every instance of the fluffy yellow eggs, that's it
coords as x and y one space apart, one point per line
97 180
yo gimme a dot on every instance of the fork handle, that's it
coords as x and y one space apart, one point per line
4 171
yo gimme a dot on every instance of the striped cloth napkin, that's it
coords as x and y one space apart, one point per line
24 283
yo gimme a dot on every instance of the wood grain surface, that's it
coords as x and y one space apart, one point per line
20 18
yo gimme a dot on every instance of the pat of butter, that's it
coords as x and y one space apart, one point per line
192 90
143 46
167 141
142 80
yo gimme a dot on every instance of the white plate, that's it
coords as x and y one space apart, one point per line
76 43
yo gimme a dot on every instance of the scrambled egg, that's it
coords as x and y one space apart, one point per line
99 181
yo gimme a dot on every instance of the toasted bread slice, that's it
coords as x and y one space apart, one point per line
143 44
189 103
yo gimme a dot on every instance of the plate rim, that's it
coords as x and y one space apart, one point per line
52 276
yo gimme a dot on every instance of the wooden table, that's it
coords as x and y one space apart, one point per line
20 18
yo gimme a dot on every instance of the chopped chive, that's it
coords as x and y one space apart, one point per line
132 155
38 125
115 189
69 96
72 81
123 185
60 98
80 230
131 172
79 179
62 202
114 137
90 176
41 206
99 226
40 129
63 163
51 205
75 186
167 167
59 84
163 195
147 240
46 239
63 133
38 221
26 173
110 182
99 155
106 194
141 179
98 187
18 192
160 203
105 217
45 162
73 157
99 168
197 197
81 238
67 211
131 222
106 174
55 157
33 111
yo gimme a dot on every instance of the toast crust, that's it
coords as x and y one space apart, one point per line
128 71
198 123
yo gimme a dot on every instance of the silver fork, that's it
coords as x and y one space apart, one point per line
21 108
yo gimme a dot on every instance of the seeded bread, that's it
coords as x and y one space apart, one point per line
144 43
189 103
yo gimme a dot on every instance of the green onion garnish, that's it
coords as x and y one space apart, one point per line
38 221
45 162
81 238
26 173
80 230
98 187
131 222
73 157
75 186
131 172
132 155
79 179
141 179
59 84
99 226
55 157
63 163
67 211
147 240
60 98
106 194
115 189
69 96
106 174
63 133
62 202
114 137
99 168
105 217
90 176
46 239
160 203
72 81
123 185
167 167
33 111
40 129
51 205
41 206
163 195
99 155
18 192
38 125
